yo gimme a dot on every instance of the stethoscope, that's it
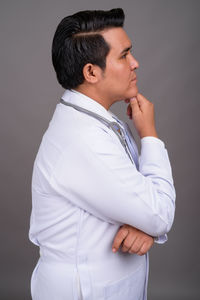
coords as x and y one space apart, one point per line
112 125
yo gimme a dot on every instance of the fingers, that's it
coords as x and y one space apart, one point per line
140 104
129 111
128 242
141 247
141 111
136 246
132 240
143 102
120 236
135 105
132 107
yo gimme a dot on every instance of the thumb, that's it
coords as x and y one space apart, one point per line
134 105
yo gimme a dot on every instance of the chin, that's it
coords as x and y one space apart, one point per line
131 93
128 94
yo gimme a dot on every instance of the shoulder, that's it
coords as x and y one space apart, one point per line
71 126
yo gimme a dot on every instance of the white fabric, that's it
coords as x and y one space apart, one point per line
84 187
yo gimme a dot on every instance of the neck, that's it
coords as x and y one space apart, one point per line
95 95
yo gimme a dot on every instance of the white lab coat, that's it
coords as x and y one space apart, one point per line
84 187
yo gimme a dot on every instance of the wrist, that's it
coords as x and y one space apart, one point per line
148 133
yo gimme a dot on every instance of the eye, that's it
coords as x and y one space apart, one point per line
124 56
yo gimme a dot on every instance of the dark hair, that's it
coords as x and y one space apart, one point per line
73 47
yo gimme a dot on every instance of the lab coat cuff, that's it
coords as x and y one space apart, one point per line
161 239
151 139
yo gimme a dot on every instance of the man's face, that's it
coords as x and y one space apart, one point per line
117 80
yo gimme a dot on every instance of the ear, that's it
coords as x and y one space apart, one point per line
91 73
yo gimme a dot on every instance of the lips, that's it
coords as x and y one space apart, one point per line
134 79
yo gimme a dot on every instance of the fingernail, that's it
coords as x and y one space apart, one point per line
134 98
113 249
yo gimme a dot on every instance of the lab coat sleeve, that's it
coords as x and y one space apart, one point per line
149 141
95 174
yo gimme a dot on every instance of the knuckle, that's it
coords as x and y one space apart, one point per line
135 249
137 245
123 232
120 235
126 245
142 252
144 249
146 240
124 249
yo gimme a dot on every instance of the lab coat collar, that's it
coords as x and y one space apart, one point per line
88 103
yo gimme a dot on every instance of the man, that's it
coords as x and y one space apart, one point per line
91 191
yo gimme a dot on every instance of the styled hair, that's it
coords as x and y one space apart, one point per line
78 41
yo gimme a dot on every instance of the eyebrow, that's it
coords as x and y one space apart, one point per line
126 49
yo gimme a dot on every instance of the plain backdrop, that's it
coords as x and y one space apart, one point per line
166 42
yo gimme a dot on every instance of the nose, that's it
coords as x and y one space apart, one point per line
134 64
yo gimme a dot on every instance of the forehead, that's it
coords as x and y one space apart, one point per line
117 38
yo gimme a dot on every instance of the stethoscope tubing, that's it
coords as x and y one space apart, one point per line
112 125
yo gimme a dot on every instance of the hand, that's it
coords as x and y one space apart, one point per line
132 240
141 111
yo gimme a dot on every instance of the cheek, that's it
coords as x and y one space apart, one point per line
119 72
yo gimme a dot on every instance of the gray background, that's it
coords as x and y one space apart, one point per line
166 41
